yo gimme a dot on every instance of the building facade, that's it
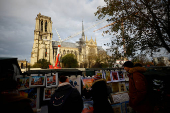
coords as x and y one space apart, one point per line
47 49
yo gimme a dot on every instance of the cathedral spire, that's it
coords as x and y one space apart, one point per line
83 35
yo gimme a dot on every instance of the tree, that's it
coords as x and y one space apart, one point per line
42 63
139 24
69 61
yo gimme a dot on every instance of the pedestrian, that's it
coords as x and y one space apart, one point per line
10 100
100 95
139 99
66 99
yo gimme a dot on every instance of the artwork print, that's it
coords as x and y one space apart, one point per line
121 77
87 82
51 80
37 81
75 82
107 76
115 76
23 82
88 107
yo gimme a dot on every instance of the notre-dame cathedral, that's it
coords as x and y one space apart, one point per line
47 49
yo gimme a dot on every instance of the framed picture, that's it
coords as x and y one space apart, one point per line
122 87
88 107
117 108
115 76
87 82
99 73
75 82
36 80
47 93
126 76
115 87
23 82
121 77
51 80
107 76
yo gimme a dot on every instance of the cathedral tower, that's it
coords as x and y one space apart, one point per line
42 47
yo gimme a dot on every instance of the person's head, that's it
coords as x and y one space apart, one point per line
63 79
127 65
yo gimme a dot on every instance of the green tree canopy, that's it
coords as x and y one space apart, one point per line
69 61
139 24
42 63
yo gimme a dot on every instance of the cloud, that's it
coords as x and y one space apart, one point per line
17 23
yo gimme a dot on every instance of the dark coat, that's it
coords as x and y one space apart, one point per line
139 99
13 103
100 97
74 102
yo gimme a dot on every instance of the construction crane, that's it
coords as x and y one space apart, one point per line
57 64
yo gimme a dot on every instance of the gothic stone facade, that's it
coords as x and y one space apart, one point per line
43 49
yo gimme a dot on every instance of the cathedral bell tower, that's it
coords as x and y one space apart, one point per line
42 47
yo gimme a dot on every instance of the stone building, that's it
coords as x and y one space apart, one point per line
43 49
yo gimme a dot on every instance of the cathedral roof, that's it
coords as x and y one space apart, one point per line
99 48
66 44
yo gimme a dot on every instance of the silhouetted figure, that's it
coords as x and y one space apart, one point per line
66 98
100 97
139 99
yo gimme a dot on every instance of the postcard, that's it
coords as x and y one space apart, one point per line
36 80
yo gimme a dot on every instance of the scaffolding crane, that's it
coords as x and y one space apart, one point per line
57 63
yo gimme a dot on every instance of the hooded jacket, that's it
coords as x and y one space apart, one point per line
138 90
74 102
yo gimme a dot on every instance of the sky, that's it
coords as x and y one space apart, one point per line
17 23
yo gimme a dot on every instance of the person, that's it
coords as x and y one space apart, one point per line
71 99
11 101
138 97
100 97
